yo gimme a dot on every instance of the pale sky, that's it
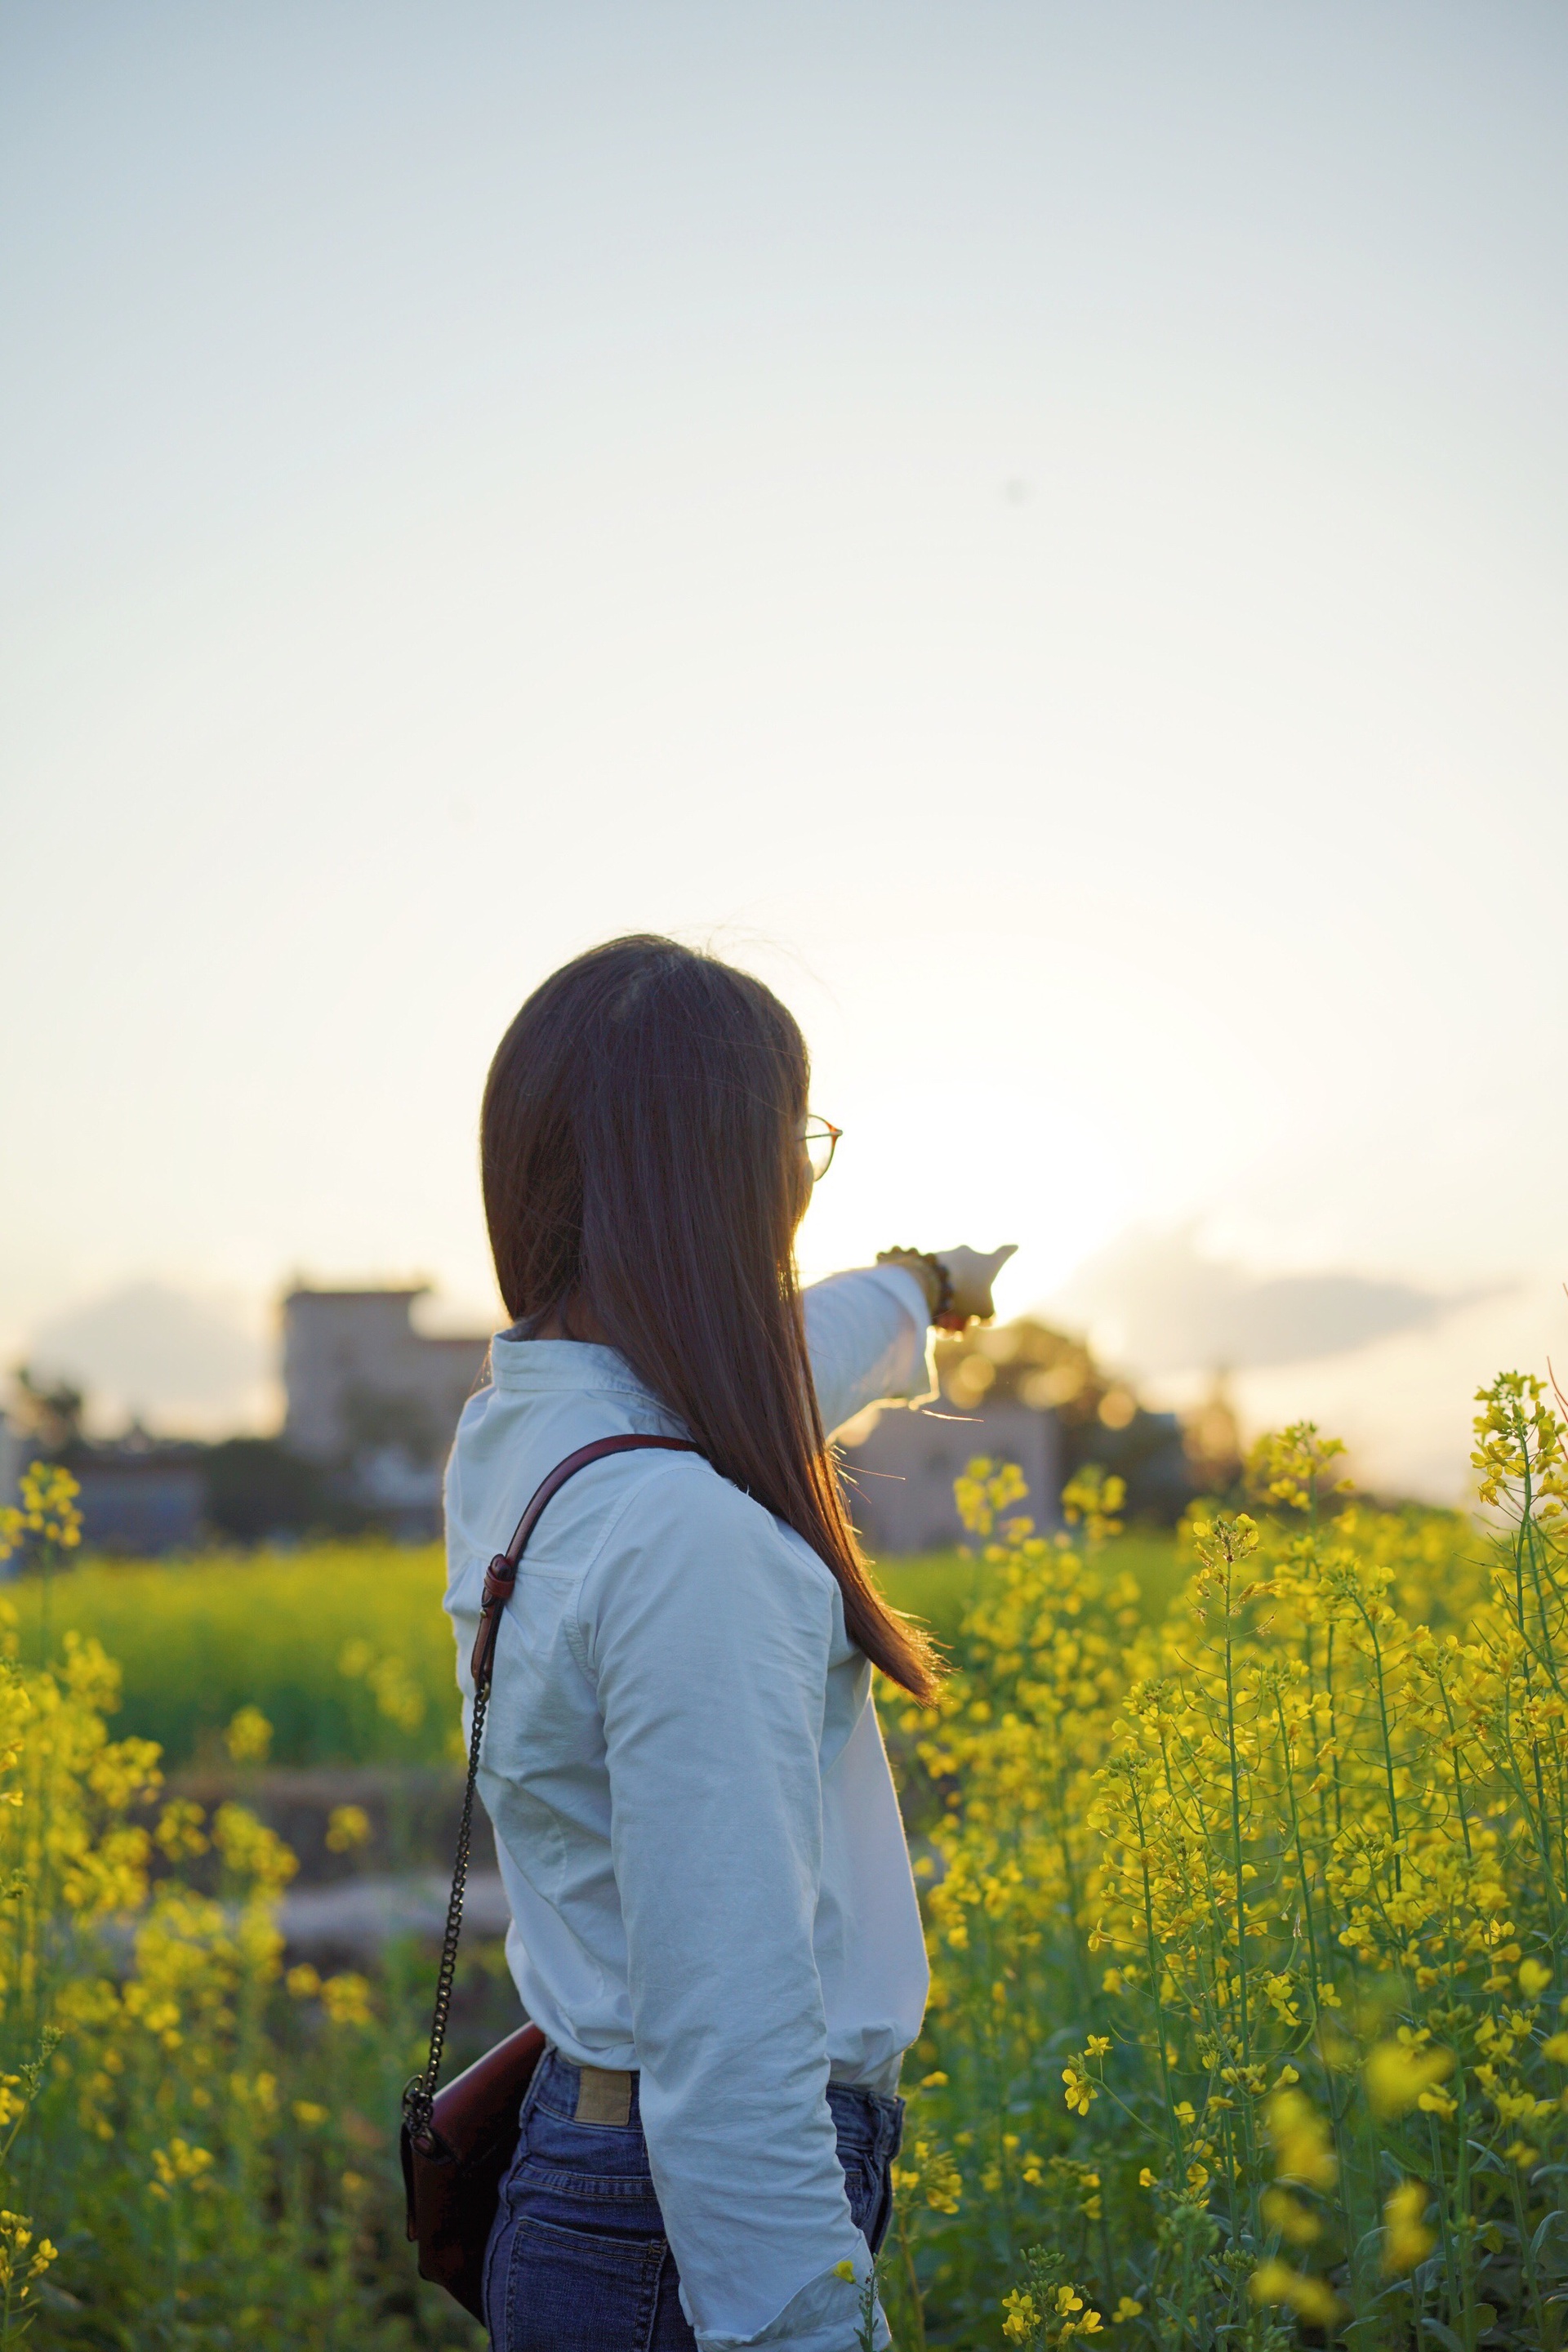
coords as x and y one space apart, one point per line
1039 528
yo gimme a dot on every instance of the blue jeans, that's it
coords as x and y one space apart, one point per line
578 2260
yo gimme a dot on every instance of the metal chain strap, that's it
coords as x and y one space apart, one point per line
420 2099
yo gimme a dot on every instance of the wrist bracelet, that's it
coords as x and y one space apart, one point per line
942 1312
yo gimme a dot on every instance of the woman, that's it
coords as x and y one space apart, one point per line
713 1919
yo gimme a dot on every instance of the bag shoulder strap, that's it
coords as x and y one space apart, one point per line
500 1576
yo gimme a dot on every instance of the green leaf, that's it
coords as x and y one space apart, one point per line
56 2298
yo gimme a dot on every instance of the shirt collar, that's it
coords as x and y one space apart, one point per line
537 1365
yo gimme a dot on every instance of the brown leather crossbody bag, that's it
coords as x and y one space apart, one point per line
458 2143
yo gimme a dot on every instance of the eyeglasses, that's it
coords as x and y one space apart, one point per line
820 1137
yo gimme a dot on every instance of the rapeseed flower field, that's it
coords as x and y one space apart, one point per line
1249 2015
1247 1930
196 2145
342 1645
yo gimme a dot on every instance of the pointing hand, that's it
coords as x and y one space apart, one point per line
972 1273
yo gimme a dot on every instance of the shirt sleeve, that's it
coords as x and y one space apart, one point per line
868 1337
708 1630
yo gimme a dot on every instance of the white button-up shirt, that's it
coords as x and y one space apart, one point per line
695 1821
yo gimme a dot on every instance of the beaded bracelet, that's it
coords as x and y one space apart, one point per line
942 1312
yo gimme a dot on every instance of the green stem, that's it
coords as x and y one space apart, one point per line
912 2278
1156 1969
1367 1620
1458 1775
1240 1888
1440 2181
1334 1728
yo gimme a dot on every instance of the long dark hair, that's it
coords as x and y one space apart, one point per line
642 1177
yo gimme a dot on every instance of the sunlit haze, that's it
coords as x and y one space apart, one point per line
1041 530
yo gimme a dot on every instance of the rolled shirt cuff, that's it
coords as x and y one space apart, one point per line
823 2316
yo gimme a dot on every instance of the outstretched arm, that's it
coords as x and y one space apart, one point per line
868 1331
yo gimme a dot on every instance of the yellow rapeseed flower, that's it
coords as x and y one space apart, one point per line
1021 2315
1303 2145
1080 2089
248 1736
347 1826
346 2000
1406 2239
1395 2075
1275 2282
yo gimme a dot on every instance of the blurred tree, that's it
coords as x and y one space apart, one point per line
1214 1441
255 1488
377 1420
1101 1418
49 1415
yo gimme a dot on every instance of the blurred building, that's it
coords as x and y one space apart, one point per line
900 1474
1097 1416
14 1457
373 1403
374 1399
136 1495
140 1499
